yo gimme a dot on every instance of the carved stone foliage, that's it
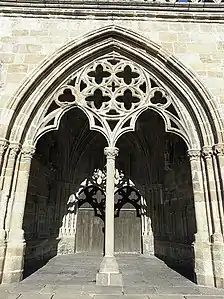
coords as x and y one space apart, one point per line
113 92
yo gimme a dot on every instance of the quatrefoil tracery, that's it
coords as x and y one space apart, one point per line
121 85
113 92
113 88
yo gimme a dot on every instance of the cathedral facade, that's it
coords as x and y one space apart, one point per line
112 134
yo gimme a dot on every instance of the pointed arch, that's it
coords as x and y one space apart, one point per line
32 98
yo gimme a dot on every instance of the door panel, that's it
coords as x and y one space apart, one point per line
127 222
89 233
127 232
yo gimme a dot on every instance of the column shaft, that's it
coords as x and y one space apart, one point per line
109 212
217 245
202 252
109 273
8 178
13 267
3 162
213 194
219 165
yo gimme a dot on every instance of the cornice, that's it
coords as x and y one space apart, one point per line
194 12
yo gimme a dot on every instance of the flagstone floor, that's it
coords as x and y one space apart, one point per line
73 277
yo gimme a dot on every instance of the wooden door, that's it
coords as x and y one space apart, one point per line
90 231
127 231
90 222
127 221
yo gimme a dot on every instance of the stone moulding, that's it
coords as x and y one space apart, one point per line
195 10
114 90
203 118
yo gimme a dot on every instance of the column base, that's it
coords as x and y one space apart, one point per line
148 244
2 252
14 258
109 279
109 274
203 262
218 260
66 245
219 282
204 280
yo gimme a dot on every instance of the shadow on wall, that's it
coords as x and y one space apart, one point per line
40 223
63 159
160 168
174 235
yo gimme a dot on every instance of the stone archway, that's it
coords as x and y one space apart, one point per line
83 223
113 76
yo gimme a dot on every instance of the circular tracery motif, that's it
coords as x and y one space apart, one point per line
113 92
112 86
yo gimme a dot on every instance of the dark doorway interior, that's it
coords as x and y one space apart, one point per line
91 221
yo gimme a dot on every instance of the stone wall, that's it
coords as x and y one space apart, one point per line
26 41
176 215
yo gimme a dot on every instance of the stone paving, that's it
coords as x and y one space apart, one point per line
73 277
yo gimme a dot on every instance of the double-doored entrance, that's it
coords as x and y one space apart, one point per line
91 221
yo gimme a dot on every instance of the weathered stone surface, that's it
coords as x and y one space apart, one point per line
35 296
166 296
180 50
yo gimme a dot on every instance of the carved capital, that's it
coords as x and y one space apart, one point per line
3 145
13 150
194 154
218 149
207 152
27 152
111 152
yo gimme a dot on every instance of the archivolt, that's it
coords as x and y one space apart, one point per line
32 99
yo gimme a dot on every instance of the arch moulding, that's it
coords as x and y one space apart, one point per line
197 121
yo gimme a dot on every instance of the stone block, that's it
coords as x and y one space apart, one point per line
29 48
5 295
17 68
121 297
176 26
39 33
176 290
219 282
106 279
183 37
34 295
73 289
179 47
166 297
48 289
20 32
168 46
139 289
148 244
32 58
70 296
10 276
167 37
204 297
103 290
15 77
24 288
6 57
